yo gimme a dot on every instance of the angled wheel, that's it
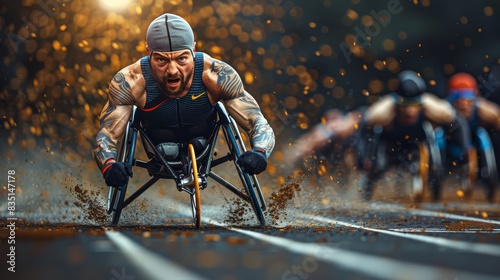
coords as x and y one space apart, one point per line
237 148
373 164
487 163
421 180
365 186
470 171
195 195
118 205
435 161
116 196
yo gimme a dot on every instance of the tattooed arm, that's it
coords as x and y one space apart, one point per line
124 90
224 83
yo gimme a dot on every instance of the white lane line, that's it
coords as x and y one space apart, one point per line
478 248
151 264
374 266
436 214
438 230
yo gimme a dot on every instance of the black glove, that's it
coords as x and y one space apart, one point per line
117 174
253 162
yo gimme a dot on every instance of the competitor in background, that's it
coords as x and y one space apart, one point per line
480 115
397 120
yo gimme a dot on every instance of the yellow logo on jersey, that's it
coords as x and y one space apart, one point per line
194 97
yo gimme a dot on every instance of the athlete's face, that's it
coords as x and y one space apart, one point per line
173 71
464 107
408 114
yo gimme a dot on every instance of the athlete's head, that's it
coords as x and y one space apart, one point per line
411 86
462 85
170 45
462 93
168 33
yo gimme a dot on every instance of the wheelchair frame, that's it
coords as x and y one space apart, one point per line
159 168
487 167
429 164
481 165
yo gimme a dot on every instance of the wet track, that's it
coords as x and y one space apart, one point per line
315 234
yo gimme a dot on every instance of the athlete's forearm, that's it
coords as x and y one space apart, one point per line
247 114
106 149
113 119
262 135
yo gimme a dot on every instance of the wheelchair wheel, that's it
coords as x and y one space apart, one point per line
435 162
118 205
365 186
374 164
237 147
195 196
421 179
487 163
116 196
471 168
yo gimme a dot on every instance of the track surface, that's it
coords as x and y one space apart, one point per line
319 234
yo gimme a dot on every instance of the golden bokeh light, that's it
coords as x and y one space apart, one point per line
115 5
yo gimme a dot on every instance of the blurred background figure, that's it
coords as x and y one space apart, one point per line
397 130
334 126
325 149
478 114
492 92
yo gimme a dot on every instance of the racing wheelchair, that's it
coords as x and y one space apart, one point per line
481 167
420 156
189 168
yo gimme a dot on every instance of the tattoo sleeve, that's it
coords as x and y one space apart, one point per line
113 120
243 107
228 80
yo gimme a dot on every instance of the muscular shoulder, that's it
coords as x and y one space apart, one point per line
128 86
220 79
489 111
485 104
381 112
437 110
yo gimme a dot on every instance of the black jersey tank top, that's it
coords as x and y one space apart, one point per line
176 119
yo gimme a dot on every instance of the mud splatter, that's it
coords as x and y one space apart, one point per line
238 211
281 198
88 201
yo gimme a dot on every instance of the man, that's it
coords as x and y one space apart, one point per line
478 113
398 119
175 90
463 93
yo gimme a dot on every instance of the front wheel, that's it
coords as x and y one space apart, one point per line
488 172
469 184
421 180
118 203
195 196
237 148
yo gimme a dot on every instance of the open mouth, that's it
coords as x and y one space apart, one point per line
173 82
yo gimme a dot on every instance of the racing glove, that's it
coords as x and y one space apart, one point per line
116 173
253 162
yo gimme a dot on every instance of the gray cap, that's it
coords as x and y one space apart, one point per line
168 33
